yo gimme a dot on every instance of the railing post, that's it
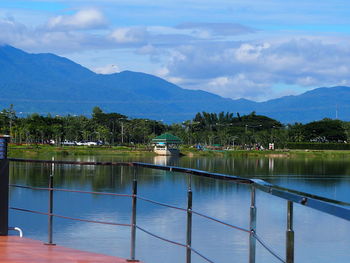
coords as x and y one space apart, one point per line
133 218
189 221
290 234
50 217
4 186
252 241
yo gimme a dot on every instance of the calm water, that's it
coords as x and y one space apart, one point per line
318 237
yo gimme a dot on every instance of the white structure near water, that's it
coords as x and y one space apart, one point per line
166 144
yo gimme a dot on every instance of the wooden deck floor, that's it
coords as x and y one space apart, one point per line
24 250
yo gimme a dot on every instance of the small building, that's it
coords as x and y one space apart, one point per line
166 144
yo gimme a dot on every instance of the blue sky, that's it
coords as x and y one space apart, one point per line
247 48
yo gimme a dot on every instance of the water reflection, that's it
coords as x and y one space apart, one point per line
271 164
166 160
224 200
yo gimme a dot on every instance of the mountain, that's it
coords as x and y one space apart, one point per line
312 105
46 83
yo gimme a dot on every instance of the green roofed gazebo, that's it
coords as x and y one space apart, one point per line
166 144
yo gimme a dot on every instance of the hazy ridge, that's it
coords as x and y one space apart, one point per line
46 83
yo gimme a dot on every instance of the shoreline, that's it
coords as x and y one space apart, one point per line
34 150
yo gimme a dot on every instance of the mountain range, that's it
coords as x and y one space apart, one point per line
47 83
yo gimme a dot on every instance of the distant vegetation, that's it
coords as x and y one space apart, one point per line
206 129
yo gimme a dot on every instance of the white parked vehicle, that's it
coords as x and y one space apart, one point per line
85 143
68 143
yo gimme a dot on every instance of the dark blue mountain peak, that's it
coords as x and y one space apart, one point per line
47 83
8 48
327 90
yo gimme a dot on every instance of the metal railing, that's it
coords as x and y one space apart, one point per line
338 209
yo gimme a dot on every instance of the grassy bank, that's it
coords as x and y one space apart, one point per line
141 150
37 150
285 153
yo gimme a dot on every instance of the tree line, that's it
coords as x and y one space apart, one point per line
204 128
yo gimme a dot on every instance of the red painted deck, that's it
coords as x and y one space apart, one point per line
24 250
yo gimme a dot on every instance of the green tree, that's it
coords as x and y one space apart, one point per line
326 130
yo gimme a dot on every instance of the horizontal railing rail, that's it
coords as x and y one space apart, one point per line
329 206
67 217
68 190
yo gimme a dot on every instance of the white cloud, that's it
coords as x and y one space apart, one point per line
220 82
177 81
107 69
249 53
219 29
238 86
250 69
306 81
42 39
161 72
12 31
129 35
83 19
147 50
151 37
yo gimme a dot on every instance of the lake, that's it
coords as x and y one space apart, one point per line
318 237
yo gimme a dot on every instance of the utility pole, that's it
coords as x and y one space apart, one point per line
113 132
122 133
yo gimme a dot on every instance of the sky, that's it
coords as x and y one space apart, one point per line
251 49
